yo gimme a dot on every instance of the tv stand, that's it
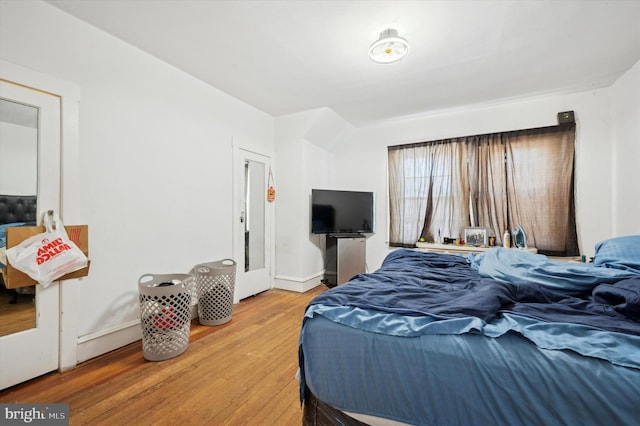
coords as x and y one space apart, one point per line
345 257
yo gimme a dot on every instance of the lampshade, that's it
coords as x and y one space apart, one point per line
388 48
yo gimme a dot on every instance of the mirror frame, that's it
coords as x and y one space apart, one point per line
70 183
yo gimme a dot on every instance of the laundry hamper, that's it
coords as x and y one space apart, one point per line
165 314
215 283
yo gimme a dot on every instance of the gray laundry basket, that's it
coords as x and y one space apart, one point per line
165 314
215 283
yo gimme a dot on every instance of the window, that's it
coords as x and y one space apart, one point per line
496 181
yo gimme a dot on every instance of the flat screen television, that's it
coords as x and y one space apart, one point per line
341 212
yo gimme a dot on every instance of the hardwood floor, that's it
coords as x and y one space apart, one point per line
17 312
239 373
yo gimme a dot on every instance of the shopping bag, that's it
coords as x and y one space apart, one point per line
47 256
14 278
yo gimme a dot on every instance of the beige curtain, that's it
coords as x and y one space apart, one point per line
488 192
408 193
496 181
428 186
541 161
448 206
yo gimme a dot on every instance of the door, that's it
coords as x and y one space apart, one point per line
30 127
252 223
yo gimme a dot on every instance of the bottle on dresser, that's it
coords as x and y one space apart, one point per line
506 239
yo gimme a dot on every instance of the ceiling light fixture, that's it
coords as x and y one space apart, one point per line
389 48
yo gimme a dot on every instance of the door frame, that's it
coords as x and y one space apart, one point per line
238 237
70 191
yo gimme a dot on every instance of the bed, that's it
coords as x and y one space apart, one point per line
502 337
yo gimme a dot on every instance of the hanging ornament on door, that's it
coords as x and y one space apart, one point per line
271 191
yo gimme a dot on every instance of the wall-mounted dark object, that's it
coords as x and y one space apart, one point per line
566 117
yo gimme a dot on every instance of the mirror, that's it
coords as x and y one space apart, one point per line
18 176
254 220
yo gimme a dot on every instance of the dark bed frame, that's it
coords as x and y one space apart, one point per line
318 413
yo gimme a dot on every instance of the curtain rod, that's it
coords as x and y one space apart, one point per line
545 129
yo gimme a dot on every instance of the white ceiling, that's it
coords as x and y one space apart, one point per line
288 56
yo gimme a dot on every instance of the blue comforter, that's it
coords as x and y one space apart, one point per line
516 266
416 294
413 283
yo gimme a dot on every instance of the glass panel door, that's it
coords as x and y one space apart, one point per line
31 349
252 218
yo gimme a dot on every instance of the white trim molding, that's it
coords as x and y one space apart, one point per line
300 285
70 200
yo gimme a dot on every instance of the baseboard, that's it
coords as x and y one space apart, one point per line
95 344
299 285
101 342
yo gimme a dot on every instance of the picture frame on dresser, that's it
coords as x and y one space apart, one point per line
476 236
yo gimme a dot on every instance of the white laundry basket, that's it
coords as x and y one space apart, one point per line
165 314
215 284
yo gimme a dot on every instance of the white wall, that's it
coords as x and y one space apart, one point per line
155 159
316 163
18 159
303 165
626 119
361 162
